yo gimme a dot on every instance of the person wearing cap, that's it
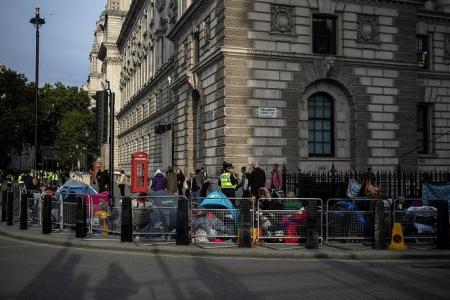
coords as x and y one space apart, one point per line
228 182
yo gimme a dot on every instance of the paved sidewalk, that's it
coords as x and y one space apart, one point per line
67 238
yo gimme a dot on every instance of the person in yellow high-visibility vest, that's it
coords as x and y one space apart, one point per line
228 182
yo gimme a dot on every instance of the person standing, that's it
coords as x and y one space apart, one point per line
180 181
101 181
122 181
171 180
228 182
244 184
158 181
257 179
276 178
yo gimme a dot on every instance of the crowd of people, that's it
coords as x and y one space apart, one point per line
197 185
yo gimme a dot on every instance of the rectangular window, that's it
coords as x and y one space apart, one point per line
424 128
320 126
324 34
422 51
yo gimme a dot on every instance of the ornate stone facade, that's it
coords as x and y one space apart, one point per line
105 64
307 84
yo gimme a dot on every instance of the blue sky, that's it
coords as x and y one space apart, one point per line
65 39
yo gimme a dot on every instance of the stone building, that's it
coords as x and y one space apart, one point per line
305 83
105 72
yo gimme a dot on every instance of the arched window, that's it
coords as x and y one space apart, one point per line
320 125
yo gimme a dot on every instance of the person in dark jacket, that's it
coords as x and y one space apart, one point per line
180 181
171 180
158 181
257 179
101 181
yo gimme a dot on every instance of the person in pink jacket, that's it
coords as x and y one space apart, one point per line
276 178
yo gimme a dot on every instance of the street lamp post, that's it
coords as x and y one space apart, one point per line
86 134
37 21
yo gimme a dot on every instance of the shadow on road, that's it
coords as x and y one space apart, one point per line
116 285
221 283
56 280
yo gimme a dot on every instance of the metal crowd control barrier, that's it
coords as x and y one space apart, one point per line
418 221
353 219
214 222
283 223
64 211
34 205
103 219
154 218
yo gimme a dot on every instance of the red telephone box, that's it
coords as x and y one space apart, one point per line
139 172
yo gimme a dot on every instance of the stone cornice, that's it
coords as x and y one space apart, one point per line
433 75
116 13
188 15
104 47
434 16
132 15
308 57
414 3
159 76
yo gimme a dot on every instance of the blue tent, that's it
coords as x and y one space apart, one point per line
217 200
76 187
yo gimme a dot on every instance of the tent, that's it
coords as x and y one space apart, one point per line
217 200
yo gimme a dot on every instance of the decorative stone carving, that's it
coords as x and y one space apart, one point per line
160 4
328 65
367 28
282 18
186 50
207 30
173 11
447 45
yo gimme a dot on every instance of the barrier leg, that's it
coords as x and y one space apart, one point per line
379 230
126 234
47 215
81 225
312 234
23 211
10 209
245 236
4 198
182 237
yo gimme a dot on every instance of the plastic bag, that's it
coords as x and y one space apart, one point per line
353 189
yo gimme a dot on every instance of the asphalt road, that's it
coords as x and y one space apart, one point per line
35 271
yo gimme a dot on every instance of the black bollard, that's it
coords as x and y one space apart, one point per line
47 215
312 234
182 237
245 235
24 211
126 234
4 199
81 224
10 208
442 241
379 228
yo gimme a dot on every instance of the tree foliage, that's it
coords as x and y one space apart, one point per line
64 117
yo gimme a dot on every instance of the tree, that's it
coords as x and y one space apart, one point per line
16 113
64 117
